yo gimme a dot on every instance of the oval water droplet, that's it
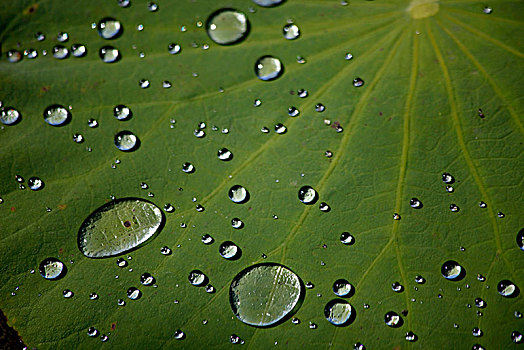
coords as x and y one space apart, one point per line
174 48
268 68
57 115
78 50
109 54
67 293
179 335
280 128
517 337
62 37
122 112
207 239
237 223
452 270
415 203
520 239
134 293
126 141
10 116
92 332
118 227
14 56
347 238
357 82
293 111
268 3
393 319
147 279
338 312
35 183
109 28
448 178
507 289
52 269
224 154
291 31
229 250
263 295
397 287
227 26
307 195
165 250
197 278
61 52
342 288
238 194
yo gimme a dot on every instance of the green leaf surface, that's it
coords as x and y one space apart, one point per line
428 67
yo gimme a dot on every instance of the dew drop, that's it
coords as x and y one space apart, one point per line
291 31
179 335
197 278
62 37
92 332
268 3
169 208
118 227
280 128
419 279
93 296
52 269
227 26
237 223
307 195
10 116
477 332
31 53
188 168
454 208
410 336
348 56
302 93
480 303
268 68
199 133
60 52
448 178
146 279
229 250
338 312
357 82
14 56
483 205
520 239
78 50
324 207
109 28
121 262
487 10
415 203
347 238
451 270
109 54
501 214
517 337
396 216
207 239
507 289
67 293
342 288
152 6
397 287
224 154
293 111
393 319
174 48
35 183
238 194
56 115
165 250
122 112
134 293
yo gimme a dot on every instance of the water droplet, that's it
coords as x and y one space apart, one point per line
291 31
126 141
104 338
227 26
419 279
121 262
238 194
14 56
415 203
207 239
312 325
39 36
410 336
78 138
62 37
10 116
268 3
118 227
210 289
454 208
134 293
357 82
144 83
396 216
342 288
92 332
31 53
35 183
229 250
264 294
448 178
169 208
477 332
280 128
152 6
110 28
293 111
92 123
302 93
174 48
109 54
166 84
93 296
146 279
507 289
295 320
122 112
78 50
520 239
338 312
268 68
301 60
347 238
483 205
487 10
68 293
451 270
237 223
52 269
197 278
56 115
516 337
397 287
348 56
307 195
199 133
449 188
501 214
224 154
480 303
359 346
324 207
481 278
188 168
235 339
60 52
179 335
121 302
165 250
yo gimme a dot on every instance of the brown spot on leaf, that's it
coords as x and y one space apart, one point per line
31 9
62 206
113 326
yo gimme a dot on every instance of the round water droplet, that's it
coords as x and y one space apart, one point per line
207 239
293 111
410 336
347 238
265 294
415 203
56 115
480 303
268 68
62 37
348 56
143 83
507 289
477 332
419 279
517 337
307 195
454 208
487 10
448 178
78 50
78 138
179 335
197 278
396 216
324 207
174 48
500 214
93 296
342 288
104 338
110 28
483 205
118 227
121 262
67 293
393 319
165 250
280 128
210 289
357 82
35 183
61 52
237 223
451 270
52 269
319 107
92 123
109 54
199 133
146 279
152 6
520 239
10 116
229 250
449 188
126 141
291 31
227 26
268 3
238 194
92 332
224 154
338 312
188 168
169 208
359 346
397 287
134 293
122 112
31 53
121 302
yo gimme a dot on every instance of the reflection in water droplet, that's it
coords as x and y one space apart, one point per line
146 279
451 270
78 50
60 52
118 227
307 195
264 294
229 250
268 3
92 332
134 293
397 287
319 107
501 214
126 141
152 6
9 116
338 312
121 302
110 28
68 293
109 54
357 82
188 168
227 26
448 178
174 48
342 288
104 338
291 31
302 93
179 335
122 112
78 138
280 128
347 238
392 319
293 111
207 239
35 183
197 278
480 303
415 203
268 68
52 269
506 288
224 154
56 115
238 194
237 223
62 37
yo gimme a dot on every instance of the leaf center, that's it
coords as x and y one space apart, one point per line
423 8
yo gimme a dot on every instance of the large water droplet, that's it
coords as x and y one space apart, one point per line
110 28
342 288
179 335
393 319
347 238
122 112
452 270
507 289
134 293
291 31
10 116
238 194
224 154
56 115
268 3
14 56
197 278
126 141
307 195
265 294
237 223
229 250
338 312
109 54
35 183
517 337
118 227
227 26
147 279
52 269
268 68
520 239
92 332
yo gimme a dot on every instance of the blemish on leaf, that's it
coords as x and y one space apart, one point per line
31 9
62 206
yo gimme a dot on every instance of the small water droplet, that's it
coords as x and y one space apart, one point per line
197 278
78 50
35 183
342 288
268 68
393 319
207 239
169 208
238 194
93 296
227 26
39 36
109 28
348 56
146 279
451 270
483 205
104 338
397 287
188 168
152 6
477 332
449 188
357 82
419 279
324 207
501 214
56 115
307 195
126 141
268 3
134 293
67 293
62 37
396 216
9 116
347 238
121 302
280 128
179 335
448 178
229 250
122 112
78 138
517 337
174 48
293 111
31 53
480 303
92 332
454 208
199 133
415 203
338 312
410 336
507 289
237 223
109 54
52 269
92 123
291 31
487 10
224 154
301 60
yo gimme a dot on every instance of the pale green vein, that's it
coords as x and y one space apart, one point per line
483 16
